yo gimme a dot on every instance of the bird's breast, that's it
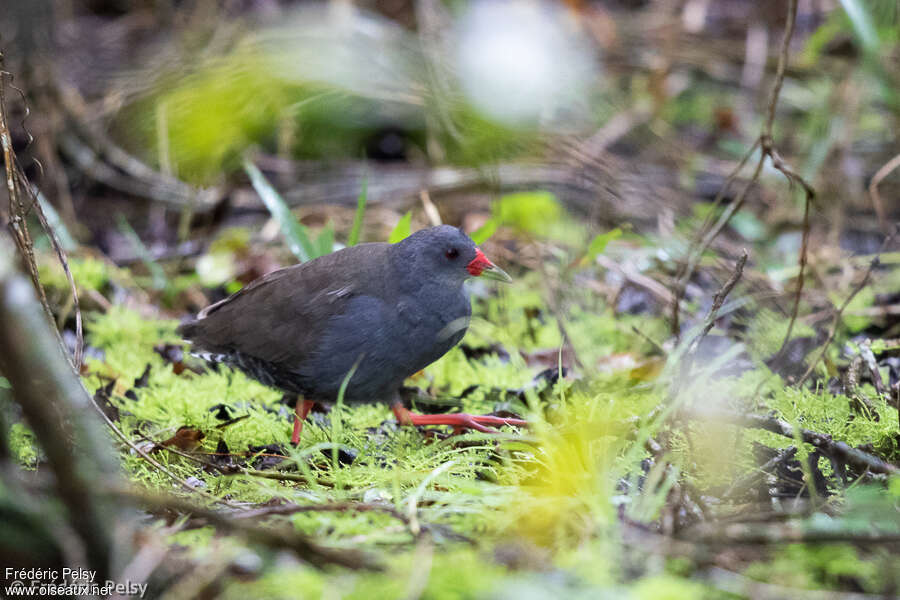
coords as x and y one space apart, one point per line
386 341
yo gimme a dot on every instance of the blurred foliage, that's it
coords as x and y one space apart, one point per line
833 565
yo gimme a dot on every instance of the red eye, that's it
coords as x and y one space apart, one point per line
451 253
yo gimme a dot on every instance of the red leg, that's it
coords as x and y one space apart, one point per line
459 421
300 411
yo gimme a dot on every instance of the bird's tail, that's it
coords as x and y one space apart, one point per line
187 329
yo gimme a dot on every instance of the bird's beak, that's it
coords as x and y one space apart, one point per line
495 272
480 266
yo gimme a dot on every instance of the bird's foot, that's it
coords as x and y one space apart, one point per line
300 411
459 421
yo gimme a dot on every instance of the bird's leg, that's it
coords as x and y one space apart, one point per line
459 421
300 411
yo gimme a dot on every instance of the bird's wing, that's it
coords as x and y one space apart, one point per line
280 317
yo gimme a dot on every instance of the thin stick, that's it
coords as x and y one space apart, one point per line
17 223
303 546
767 148
804 251
782 64
694 255
823 442
782 533
17 184
290 509
835 320
719 300
883 172
237 469
140 451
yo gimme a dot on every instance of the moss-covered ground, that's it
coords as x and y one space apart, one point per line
575 506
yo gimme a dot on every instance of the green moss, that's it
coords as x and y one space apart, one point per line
816 566
88 272
667 587
551 486
766 330
22 445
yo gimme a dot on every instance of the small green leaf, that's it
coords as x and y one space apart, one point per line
294 232
402 230
861 20
325 241
880 346
530 212
599 243
483 233
749 226
156 271
4 384
353 238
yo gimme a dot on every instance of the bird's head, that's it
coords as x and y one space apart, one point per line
446 252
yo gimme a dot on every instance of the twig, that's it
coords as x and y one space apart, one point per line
782 64
783 533
54 403
852 391
719 300
290 509
804 251
140 452
694 255
303 546
103 160
836 319
883 172
767 145
656 345
740 586
431 211
17 211
17 187
868 357
64 261
236 469
767 150
637 278
749 480
828 446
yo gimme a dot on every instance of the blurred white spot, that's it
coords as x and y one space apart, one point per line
522 62
195 483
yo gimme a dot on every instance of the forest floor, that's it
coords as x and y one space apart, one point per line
708 355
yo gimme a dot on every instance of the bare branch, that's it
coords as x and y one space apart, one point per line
823 442
301 545
56 407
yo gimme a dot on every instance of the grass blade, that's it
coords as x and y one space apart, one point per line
353 238
483 233
402 230
294 232
157 274
325 241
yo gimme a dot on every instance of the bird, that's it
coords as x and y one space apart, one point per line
354 323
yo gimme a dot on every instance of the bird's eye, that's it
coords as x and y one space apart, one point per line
451 253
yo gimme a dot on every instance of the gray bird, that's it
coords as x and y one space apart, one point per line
376 313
